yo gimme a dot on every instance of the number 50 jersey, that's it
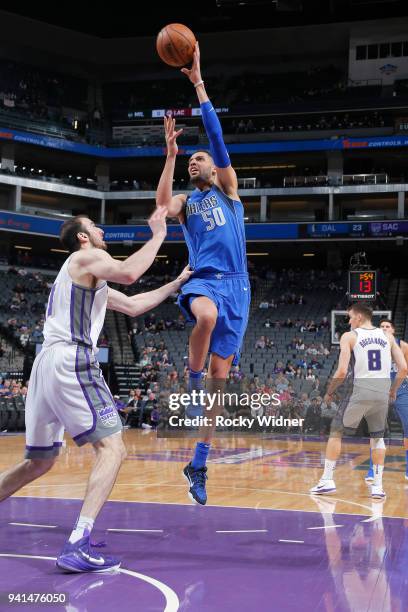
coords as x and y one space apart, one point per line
372 354
214 232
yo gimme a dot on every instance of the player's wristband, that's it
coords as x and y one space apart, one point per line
214 132
198 84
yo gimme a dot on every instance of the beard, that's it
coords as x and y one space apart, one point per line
205 178
99 245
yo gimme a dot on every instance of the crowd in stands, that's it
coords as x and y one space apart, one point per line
11 388
22 305
48 97
41 95
148 404
306 123
37 90
299 379
246 88
23 301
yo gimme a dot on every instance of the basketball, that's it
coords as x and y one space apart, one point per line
175 45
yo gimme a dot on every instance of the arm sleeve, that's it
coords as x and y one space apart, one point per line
214 132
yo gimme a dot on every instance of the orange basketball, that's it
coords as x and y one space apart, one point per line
175 44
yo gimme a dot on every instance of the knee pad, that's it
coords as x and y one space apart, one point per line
377 443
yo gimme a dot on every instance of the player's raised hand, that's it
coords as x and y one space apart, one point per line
194 73
171 135
184 275
157 222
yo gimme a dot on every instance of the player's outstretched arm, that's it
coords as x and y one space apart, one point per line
226 176
344 359
101 265
142 302
164 194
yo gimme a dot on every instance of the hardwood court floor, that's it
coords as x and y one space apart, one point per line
246 471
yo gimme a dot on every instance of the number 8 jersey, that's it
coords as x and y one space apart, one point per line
214 232
372 354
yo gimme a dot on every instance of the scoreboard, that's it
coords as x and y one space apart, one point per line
362 284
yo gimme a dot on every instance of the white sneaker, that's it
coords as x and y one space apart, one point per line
323 487
377 492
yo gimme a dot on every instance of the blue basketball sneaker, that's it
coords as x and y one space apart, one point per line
79 557
196 479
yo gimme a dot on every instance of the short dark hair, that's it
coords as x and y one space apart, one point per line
387 321
363 309
69 233
202 151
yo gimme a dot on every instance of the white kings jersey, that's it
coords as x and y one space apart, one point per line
372 354
74 314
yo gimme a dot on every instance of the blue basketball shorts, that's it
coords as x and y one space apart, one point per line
231 294
401 407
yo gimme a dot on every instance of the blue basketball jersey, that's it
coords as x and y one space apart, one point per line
214 232
403 388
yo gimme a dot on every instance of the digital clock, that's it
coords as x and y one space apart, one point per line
362 284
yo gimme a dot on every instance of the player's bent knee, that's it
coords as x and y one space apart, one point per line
40 466
112 444
207 320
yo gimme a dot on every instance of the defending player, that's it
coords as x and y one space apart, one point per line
67 389
401 401
370 349
217 297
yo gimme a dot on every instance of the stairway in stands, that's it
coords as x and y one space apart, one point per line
400 310
127 377
126 371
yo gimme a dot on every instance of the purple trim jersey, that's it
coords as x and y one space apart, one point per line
74 314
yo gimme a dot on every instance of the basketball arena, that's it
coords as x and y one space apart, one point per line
203 307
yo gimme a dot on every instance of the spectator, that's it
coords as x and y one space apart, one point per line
328 411
260 343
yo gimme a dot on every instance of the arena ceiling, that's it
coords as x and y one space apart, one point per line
119 21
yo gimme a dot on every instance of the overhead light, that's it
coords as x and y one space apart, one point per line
25 248
257 254
308 254
120 256
59 251
161 256
246 218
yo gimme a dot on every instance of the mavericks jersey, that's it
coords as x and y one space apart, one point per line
74 314
403 388
372 359
214 231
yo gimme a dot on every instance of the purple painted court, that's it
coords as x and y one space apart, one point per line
209 559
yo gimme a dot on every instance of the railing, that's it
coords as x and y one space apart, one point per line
330 181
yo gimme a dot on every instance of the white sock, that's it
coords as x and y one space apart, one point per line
329 467
84 526
378 472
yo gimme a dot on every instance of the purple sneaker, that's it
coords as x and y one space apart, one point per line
79 557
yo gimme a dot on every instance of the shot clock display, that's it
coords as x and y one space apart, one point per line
362 284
